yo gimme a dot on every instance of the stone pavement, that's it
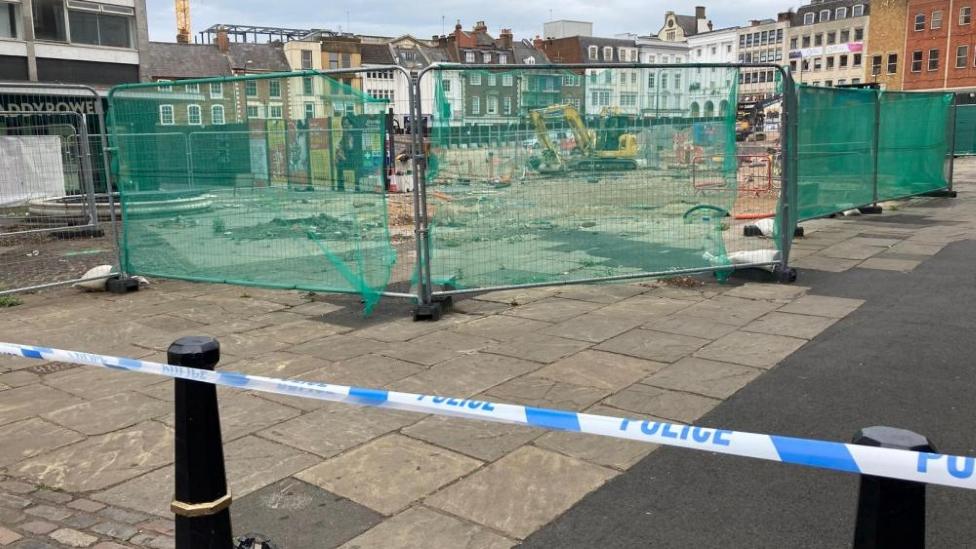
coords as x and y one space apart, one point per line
87 453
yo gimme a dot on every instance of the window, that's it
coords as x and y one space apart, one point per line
469 57
845 36
308 87
842 62
346 60
507 105
9 18
608 77
593 53
49 20
99 24
806 41
217 115
817 63
793 65
920 22
491 79
633 78
251 88
192 88
808 18
857 10
677 81
824 15
965 15
216 90
818 39
858 34
475 105
607 53
274 111
933 59
742 40
830 63
333 60
763 38
840 13
855 81
779 37
892 63
664 81
193 115
831 37
650 80
828 83
486 57
962 56
502 58
507 80
274 88
917 61
309 110
475 79
937 19
492 104
628 100
857 60
252 111
446 85
841 81
166 115
875 65
794 42
306 59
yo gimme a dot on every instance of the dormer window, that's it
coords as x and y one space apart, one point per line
593 53
607 53
469 57
486 57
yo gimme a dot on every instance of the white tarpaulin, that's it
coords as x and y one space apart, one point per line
30 167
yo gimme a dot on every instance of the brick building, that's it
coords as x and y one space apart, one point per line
885 51
940 45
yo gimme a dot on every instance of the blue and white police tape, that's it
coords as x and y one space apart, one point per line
957 471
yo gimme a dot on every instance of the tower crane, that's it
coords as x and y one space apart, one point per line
183 21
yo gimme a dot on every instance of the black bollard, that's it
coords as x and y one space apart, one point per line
890 512
201 502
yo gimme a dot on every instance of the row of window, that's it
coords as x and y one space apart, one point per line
728 49
74 21
492 80
491 105
918 59
194 115
823 16
381 94
877 62
216 89
763 56
832 37
486 57
935 21
763 38
380 75
623 54
841 82
830 62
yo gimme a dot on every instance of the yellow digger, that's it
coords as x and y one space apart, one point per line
611 148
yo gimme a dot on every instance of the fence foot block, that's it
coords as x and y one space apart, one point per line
432 312
119 285
944 193
870 209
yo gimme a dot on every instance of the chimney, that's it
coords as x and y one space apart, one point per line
480 26
538 42
710 25
699 12
223 41
784 16
506 38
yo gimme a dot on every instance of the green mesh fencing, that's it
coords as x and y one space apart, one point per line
542 176
269 181
835 146
913 143
965 138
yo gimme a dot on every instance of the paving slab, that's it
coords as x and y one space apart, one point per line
649 306
890 264
730 310
277 364
482 440
616 453
916 248
694 326
651 345
31 437
437 347
553 309
519 296
365 371
789 324
703 377
596 326
751 349
296 514
337 427
600 293
673 406
522 491
390 473
101 461
92 383
599 369
767 291
31 400
827 264
538 348
546 393
502 327
404 328
253 463
467 376
104 415
421 528
818 305
243 413
340 347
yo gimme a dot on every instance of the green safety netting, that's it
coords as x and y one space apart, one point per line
272 180
965 138
546 176
913 143
856 146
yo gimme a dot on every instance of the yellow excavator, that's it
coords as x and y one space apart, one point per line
612 148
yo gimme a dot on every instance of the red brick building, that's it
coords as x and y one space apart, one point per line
940 45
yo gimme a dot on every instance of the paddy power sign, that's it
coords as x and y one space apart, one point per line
48 105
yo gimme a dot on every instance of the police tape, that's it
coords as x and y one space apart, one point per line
930 468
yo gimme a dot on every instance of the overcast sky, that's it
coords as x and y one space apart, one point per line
423 18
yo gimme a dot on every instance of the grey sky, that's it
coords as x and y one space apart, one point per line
422 18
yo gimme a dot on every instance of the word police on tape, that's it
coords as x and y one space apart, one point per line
957 471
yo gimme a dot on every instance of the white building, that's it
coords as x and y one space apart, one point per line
710 89
564 28
665 91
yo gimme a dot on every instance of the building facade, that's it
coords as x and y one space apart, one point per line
763 41
710 89
94 43
827 42
885 59
940 45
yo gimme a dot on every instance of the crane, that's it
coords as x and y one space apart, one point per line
183 21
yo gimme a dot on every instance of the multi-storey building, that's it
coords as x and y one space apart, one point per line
940 45
710 88
827 42
884 56
90 42
763 41
663 92
605 88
